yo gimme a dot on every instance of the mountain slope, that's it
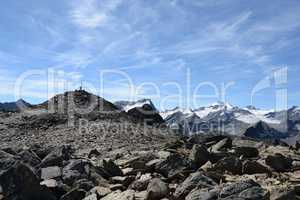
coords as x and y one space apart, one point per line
14 106
127 105
143 109
225 118
261 130
77 101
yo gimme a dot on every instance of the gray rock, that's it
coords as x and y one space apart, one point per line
116 187
29 157
124 180
20 182
157 189
142 183
174 164
253 167
118 195
229 164
246 152
203 194
139 162
238 187
279 162
56 157
51 172
84 184
100 191
222 145
110 167
82 169
194 180
199 155
255 193
94 153
283 194
50 183
217 156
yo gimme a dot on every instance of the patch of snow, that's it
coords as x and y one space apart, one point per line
205 111
167 113
249 119
128 105
262 115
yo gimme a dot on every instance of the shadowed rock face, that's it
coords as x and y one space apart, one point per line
147 114
263 131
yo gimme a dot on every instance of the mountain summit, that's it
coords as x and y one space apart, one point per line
78 99
14 106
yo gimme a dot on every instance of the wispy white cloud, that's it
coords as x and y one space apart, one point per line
92 13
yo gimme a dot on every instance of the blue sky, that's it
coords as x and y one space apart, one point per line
156 44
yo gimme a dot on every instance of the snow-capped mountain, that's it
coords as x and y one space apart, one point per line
225 118
128 105
142 109
222 117
184 112
203 112
249 115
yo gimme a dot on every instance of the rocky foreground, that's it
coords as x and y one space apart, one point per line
197 168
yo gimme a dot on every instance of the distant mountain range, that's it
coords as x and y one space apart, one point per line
220 117
225 118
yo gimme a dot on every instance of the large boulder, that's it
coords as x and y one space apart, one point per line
279 162
237 188
222 145
110 167
229 164
199 155
157 189
255 193
193 181
57 156
283 193
246 152
82 169
174 164
21 183
254 167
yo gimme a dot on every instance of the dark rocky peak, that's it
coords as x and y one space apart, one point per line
146 113
79 100
262 130
14 106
